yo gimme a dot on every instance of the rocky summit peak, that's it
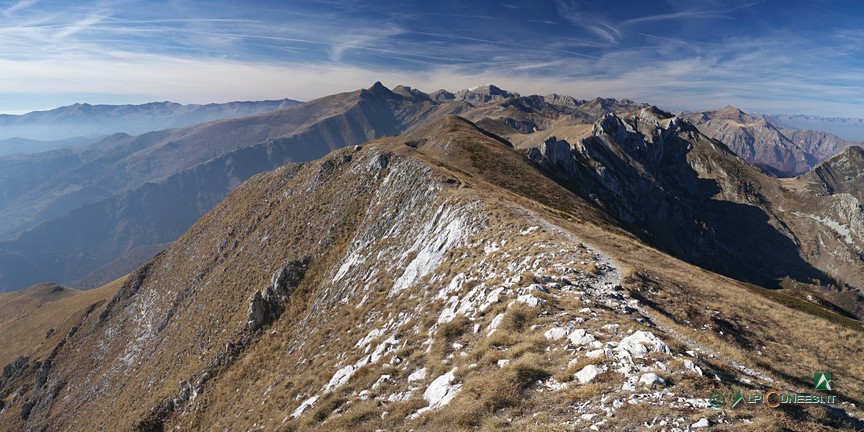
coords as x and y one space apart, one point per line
733 113
655 113
380 90
490 89
850 159
484 94
729 109
853 151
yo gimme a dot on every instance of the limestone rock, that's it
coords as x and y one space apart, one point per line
530 300
555 333
702 423
496 322
587 374
442 390
689 365
265 306
418 375
640 343
580 337
305 406
651 380
340 377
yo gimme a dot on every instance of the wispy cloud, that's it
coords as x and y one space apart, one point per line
78 26
722 10
366 39
589 20
20 5
689 14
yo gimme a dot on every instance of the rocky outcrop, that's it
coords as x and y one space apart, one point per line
441 391
267 305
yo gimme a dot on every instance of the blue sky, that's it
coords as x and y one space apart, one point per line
769 56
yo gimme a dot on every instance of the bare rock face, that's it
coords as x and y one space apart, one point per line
42 373
258 311
26 409
265 306
442 390
14 368
587 374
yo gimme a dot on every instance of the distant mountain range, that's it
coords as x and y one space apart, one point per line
88 214
89 121
10 146
850 129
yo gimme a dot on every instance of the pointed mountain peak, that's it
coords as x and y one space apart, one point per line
654 112
378 87
380 90
562 100
600 102
730 112
442 95
729 109
483 94
490 89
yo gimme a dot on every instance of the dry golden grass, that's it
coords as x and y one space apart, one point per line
27 316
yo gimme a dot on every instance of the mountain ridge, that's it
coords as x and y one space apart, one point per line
83 119
121 172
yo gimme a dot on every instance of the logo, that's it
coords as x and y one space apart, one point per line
717 400
822 381
738 398
772 398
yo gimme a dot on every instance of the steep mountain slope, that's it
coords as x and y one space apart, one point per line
819 145
437 280
692 197
99 120
777 148
754 139
825 208
843 173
